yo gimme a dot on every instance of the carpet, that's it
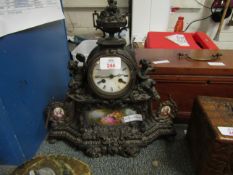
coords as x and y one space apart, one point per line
162 157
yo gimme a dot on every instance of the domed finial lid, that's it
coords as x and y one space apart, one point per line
110 20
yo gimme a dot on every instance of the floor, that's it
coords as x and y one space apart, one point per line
162 157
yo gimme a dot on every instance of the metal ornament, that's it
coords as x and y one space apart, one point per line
53 165
115 133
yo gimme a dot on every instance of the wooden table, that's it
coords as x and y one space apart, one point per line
183 79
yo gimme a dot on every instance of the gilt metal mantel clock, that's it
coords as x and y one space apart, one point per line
108 106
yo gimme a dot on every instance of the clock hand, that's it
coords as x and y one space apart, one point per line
111 76
99 76
119 75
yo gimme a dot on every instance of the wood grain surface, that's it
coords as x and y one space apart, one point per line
184 79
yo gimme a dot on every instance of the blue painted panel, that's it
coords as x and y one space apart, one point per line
33 72
8 140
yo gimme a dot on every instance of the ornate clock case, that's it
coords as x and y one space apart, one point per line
108 107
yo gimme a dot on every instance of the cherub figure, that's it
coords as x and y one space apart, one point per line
147 83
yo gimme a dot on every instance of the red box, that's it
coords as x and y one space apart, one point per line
197 40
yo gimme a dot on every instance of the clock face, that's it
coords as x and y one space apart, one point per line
111 80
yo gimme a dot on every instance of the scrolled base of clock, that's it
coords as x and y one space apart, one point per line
125 139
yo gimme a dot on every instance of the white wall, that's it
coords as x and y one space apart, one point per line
78 15
152 17
79 18
207 26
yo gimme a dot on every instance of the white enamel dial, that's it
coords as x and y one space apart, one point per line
111 80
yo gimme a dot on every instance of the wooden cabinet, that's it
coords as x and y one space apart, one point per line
211 148
183 79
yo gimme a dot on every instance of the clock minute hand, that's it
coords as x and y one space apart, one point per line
110 76
99 76
119 75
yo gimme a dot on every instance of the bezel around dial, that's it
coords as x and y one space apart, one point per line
110 95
